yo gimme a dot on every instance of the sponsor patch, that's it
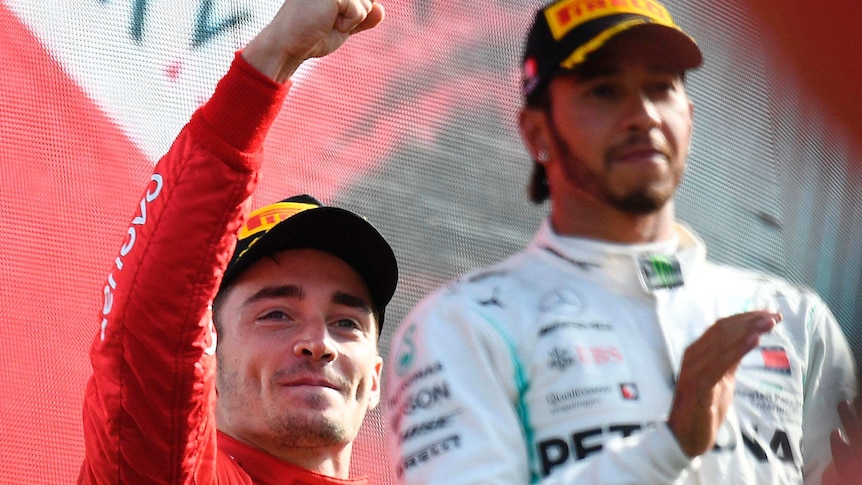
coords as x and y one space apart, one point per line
660 271
429 452
419 375
405 353
560 359
560 324
576 398
629 391
426 398
267 217
563 301
557 450
427 427
769 402
771 359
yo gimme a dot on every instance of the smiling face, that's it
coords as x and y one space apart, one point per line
298 366
617 130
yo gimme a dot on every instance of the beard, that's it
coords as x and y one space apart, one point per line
303 426
310 430
639 201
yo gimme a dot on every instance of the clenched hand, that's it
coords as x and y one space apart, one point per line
303 29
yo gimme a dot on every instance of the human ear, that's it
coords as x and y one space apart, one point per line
533 129
374 390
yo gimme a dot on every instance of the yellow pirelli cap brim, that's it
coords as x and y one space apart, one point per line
687 52
302 222
566 32
566 15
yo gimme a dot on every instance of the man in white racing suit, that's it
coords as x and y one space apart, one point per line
610 350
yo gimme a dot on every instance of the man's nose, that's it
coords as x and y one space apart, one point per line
314 342
642 113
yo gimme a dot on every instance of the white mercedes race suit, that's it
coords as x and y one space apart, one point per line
558 366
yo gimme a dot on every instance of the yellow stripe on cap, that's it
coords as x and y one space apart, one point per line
564 16
265 218
579 55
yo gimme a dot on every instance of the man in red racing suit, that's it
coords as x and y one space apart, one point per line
150 406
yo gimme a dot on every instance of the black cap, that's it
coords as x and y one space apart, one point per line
303 222
566 32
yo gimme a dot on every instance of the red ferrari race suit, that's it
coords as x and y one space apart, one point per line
149 405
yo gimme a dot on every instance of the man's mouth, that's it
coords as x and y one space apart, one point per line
639 152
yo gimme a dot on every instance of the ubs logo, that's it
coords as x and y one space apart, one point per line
560 358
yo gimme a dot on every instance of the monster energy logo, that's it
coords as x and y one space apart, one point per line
660 271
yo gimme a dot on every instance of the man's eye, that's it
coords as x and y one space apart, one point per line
275 315
602 91
348 324
662 87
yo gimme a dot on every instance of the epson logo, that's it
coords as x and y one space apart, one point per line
421 400
426 398
426 371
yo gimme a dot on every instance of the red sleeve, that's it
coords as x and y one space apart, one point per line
148 410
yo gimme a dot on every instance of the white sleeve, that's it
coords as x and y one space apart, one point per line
830 378
450 388
454 389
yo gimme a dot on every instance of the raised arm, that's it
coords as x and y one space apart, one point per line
148 410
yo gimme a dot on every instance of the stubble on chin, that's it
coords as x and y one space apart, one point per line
307 431
641 202
645 196
639 199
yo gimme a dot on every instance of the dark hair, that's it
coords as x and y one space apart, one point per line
218 301
538 187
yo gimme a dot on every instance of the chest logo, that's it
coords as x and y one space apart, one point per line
660 271
629 391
